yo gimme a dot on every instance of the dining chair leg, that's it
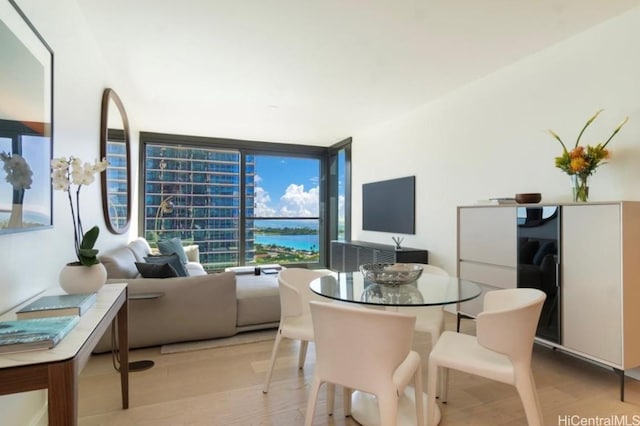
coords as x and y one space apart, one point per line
432 384
272 362
331 393
302 354
444 392
347 401
311 402
418 395
388 407
434 340
527 390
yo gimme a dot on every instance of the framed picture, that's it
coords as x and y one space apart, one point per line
26 124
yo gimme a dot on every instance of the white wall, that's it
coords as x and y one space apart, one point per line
31 261
489 138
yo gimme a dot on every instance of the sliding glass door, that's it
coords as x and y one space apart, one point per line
283 225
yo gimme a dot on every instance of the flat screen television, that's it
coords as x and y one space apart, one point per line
389 206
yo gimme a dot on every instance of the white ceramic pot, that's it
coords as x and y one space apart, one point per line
76 278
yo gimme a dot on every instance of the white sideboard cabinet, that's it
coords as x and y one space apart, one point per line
599 274
486 250
601 282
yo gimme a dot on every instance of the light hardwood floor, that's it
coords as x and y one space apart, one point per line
223 387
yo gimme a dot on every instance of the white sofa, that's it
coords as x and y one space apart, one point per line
201 306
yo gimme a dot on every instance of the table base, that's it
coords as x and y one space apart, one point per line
364 408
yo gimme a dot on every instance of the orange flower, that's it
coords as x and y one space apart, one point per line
584 160
577 152
578 164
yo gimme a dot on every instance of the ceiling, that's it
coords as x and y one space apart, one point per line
313 72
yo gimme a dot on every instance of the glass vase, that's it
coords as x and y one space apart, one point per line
580 188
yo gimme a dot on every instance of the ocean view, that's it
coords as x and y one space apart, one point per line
296 242
307 242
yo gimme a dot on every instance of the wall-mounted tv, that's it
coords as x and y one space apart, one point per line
389 206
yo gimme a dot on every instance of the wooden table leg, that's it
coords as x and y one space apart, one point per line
63 393
123 345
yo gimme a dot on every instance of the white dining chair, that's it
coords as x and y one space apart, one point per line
501 349
429 319
367 350
295 318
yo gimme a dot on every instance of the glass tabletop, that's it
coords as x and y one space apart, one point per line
428 290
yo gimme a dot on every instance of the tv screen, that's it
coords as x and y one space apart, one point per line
389 206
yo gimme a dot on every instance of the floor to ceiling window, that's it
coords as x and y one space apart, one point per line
241 202
339 191
286 211
193 193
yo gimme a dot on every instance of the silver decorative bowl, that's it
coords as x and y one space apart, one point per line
391 273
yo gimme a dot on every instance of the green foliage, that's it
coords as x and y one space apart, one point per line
87 255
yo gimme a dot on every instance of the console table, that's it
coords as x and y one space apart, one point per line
347 256
58 369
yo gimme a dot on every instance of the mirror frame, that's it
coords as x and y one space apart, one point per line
107 96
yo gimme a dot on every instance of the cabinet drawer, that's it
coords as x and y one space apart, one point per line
495 276
488 235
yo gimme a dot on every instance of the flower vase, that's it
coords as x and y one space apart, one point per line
580 188
15 220
76 278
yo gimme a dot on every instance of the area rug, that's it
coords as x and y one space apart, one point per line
238 339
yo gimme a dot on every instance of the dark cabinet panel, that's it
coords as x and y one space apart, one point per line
347 256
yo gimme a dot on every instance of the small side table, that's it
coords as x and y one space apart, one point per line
144 364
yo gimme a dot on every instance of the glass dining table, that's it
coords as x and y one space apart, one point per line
428 290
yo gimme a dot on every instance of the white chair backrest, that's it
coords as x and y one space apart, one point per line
294 290
432 269
357 347
509 320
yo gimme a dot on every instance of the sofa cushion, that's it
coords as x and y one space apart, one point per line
120 263
195 269
171 259
174 245
193 252
156 270
140 248
258 299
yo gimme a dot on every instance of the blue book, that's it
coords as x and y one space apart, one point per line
57 306
34 334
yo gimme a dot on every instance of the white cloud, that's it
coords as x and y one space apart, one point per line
297 202
261 203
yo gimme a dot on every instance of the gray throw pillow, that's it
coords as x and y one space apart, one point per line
174 245
171 259
156 270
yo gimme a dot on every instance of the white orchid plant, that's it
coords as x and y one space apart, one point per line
66 172
19 174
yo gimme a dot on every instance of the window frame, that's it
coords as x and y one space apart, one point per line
245 147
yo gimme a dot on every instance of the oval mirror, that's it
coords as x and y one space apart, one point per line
114 146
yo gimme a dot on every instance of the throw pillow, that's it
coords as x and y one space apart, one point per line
174 245
156 270
171 259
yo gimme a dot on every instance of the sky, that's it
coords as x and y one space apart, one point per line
37 152
286 186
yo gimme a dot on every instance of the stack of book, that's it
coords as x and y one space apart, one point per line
34 334
57 306
44 322
497 201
